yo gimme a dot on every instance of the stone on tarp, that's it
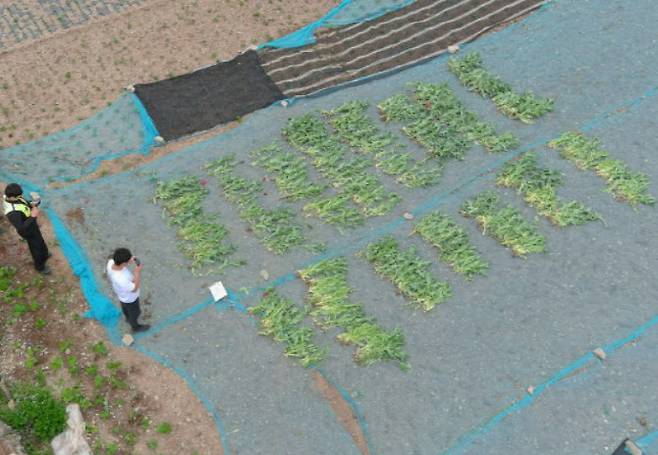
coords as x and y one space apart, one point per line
72 440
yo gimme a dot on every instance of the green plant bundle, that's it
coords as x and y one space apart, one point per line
290 172
181 198
360 132
441 141
309 135
453 244
276 229
408 271
335 210
505 224
329 296
281 320
539 186
204 243
586 153
440 101
519 106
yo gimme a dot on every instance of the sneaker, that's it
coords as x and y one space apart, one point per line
141 328
46 271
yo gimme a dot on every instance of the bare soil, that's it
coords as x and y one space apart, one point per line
343 411
52 83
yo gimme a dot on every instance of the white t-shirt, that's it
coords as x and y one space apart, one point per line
122 283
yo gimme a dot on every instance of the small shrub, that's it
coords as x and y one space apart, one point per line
163 428
36 411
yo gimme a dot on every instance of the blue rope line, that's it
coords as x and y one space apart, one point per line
466 440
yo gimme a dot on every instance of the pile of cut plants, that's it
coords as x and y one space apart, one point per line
276 229
329 297
441 141
587 154
525 107
353 125
408 271
293 182
506 224
444 106
347 174
281 320
204 242
455 249
539 189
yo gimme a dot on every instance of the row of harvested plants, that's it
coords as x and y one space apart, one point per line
332 165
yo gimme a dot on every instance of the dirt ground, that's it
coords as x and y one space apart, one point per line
50 84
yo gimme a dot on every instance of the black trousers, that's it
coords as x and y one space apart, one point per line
38 250
131 311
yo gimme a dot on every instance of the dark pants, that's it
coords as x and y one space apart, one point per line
38 250
131 311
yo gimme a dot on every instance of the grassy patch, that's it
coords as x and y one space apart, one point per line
453 244
440 101
204 243
539 186
281 319
276 229
329 296
505 224
408 271
519 106
37 414
360 132
349 175
586 153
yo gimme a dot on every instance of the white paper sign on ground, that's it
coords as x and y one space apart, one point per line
218 291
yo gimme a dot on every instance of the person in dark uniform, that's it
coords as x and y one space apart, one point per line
23 216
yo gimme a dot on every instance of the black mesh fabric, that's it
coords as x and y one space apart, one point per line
208 97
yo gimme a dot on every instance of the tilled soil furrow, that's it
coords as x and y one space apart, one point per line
417 42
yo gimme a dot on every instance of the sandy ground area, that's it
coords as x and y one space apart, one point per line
52 83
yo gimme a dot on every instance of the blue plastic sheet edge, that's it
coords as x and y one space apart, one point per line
101 307
304 35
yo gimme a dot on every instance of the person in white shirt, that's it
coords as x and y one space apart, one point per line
126 285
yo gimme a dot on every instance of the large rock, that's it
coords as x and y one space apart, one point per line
72 441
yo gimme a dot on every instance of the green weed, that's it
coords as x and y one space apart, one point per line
505 224
163 428
453 244
408 271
